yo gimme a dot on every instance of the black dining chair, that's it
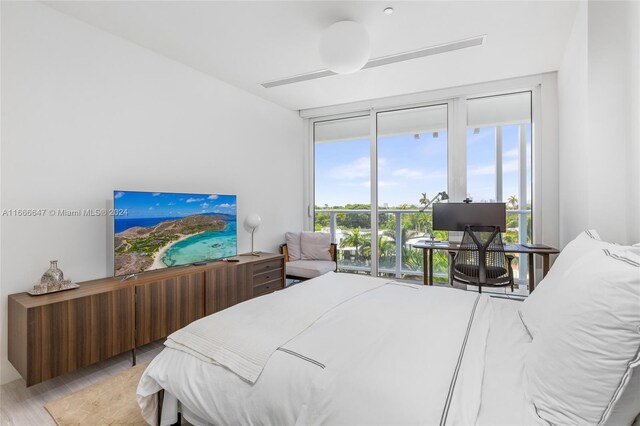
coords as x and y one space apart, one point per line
481 260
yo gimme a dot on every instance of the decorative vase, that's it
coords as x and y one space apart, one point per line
53 276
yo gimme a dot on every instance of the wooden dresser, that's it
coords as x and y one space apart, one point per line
60 332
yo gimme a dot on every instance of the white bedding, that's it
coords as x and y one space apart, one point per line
243 339
391 355
503 396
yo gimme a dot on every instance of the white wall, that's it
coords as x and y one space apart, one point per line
599 184
85 112
633 196
573 119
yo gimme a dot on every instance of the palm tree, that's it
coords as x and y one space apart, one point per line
423 199
355 239
513 202
386 250
412 259
385 247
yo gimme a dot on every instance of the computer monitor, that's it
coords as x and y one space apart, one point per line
456 216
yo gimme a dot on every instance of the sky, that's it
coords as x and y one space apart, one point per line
409 166
165 204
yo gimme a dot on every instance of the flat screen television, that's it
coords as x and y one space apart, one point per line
155 230
455 216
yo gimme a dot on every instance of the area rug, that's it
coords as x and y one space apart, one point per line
110 402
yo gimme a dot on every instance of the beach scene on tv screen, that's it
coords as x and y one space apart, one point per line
155 230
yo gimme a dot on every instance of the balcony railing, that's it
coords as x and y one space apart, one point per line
357 258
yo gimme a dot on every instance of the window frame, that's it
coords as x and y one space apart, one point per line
456 100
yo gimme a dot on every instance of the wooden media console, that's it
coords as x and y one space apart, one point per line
57 333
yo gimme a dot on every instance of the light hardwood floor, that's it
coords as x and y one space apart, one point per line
20 405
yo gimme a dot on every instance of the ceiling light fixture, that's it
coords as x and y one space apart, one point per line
383 60
345 47
388 10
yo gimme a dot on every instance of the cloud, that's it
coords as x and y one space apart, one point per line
226 205
194 200
204 205
212 197
481 170
171 204
510 166
408 173
358 168
157 204
387 184
155 194
419 174
118 194
150 208
362 184
512 153
490 169
367 184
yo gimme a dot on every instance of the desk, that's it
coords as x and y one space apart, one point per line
428 248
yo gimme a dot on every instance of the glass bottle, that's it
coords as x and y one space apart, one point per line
53 276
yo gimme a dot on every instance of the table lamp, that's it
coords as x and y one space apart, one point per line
253 221
443 196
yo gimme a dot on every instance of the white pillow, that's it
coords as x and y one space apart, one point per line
628 405
635 249
315 246
541 305
293 245
580 364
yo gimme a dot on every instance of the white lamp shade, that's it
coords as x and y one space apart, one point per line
253 221
345 47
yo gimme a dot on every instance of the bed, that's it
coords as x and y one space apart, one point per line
345 349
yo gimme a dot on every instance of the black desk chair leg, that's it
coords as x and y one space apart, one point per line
510 259
452 255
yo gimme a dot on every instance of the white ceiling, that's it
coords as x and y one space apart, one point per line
248 43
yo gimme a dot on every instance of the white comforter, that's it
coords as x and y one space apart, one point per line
244 339
395 354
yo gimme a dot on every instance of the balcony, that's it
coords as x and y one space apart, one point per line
350 229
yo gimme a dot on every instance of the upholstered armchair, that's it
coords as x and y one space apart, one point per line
308 255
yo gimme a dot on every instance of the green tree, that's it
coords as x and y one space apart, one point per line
354 239
354 220
412 259
386 250
423 199
387 222
512 203
321 221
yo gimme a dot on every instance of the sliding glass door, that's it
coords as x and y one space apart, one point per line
375 172
342 176
499 161
412 153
